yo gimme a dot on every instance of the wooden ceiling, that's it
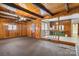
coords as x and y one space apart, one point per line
58 7
53 8
30 7
2 9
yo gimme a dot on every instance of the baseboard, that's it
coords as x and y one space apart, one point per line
61 42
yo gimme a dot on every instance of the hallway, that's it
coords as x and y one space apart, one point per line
24 46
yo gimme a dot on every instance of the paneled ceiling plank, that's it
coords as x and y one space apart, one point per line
23 9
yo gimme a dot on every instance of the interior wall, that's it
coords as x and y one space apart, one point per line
34 33
5 33
21 29
75 30
45 29
65 23
75 27
28 29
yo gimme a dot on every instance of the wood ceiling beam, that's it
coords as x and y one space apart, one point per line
43 8
7 17
13 12
18 16
23 9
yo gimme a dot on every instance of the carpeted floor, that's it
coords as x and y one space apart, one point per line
24 46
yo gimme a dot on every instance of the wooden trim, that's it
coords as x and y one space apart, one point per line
11 37
60 42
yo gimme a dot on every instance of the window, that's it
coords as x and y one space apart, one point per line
33 27
11 27
53 27
14 27
62 27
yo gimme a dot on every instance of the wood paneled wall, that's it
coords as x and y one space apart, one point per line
5 33
37 32
66 24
